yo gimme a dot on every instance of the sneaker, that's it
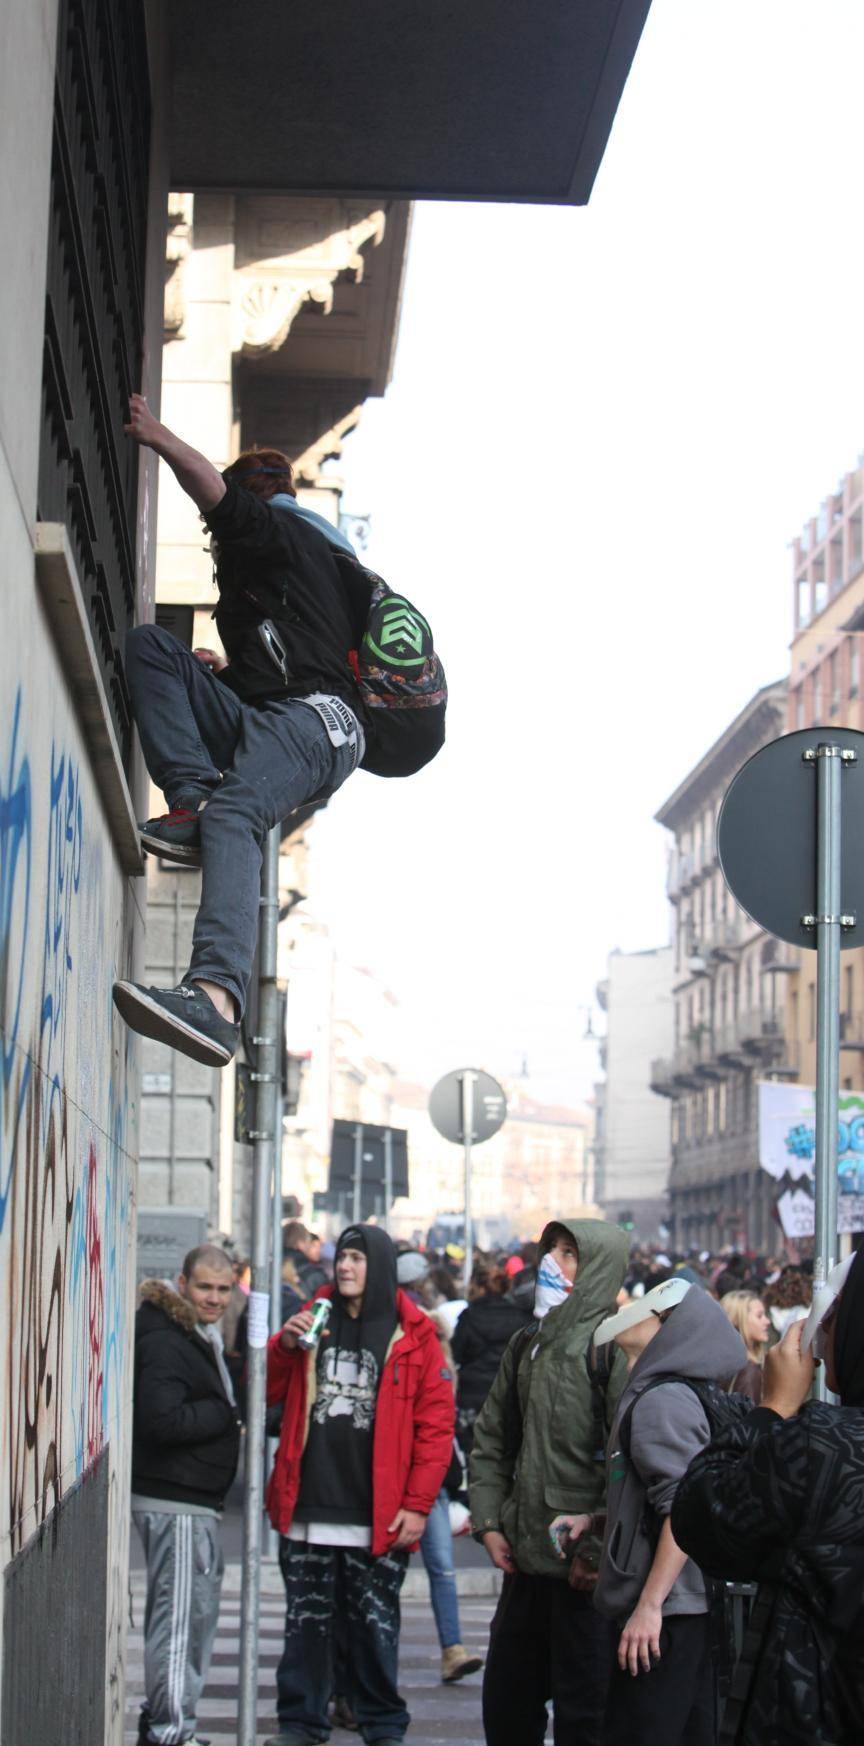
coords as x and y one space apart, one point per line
184 1018
342 1715
293 1740
176 836
456 1663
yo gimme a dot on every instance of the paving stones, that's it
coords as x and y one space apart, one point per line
442 1715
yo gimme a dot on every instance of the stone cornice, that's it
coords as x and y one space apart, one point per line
295 259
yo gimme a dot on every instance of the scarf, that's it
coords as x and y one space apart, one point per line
552 1287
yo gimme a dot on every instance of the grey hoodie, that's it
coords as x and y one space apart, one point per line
667 1430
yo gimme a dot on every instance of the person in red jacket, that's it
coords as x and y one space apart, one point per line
367 1435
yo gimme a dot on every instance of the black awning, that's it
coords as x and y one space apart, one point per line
491 100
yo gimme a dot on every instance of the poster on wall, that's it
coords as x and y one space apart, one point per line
787 1134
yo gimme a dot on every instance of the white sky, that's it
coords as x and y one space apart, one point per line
604 428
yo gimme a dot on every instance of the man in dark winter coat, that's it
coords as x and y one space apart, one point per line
237 746
185 1444
779 1499
366 1439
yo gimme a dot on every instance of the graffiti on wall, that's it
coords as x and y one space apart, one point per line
65 1179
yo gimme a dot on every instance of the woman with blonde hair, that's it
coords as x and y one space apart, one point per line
748 1315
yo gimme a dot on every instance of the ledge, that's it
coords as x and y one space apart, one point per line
60 592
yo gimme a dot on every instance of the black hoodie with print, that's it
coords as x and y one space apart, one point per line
336 1480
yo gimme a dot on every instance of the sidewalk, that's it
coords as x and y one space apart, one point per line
442 1715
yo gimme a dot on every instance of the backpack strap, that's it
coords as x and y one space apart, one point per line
598 1363
513 1409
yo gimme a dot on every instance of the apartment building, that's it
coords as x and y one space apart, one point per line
633 1150
825 690
730 989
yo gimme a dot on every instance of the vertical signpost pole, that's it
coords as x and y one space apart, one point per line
388 1177
468 1079
265 1138
829 802
358 1174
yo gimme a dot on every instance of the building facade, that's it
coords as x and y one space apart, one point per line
633 1156
731 991
104 107
281 319
825 690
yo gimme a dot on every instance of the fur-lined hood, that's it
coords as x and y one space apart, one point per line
162 1297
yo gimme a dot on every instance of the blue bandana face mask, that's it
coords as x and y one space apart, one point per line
552 1287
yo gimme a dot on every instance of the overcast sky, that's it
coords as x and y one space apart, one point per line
604 428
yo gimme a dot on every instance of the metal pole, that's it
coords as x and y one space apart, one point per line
276 1265
467 1137
829 802
358 1171
388 1177
264 1136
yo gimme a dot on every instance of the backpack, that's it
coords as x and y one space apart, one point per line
397 672
721 1408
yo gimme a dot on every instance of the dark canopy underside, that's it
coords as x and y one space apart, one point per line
480 100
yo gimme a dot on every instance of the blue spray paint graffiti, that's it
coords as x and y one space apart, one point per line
65 1183
15 853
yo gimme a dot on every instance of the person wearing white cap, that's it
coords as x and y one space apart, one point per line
779 1500
678 1344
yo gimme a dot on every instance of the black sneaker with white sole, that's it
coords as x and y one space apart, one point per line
176 836
184 1018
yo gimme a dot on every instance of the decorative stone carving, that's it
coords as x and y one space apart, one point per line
293 258
177 247
328 447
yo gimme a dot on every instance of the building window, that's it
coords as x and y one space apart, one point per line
817 696
721 1107
94 299
803 606
799 707
848 988
834 681
811 1011
854 666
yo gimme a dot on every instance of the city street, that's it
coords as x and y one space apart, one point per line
440 1713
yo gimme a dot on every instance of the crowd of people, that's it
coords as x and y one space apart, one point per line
626 1432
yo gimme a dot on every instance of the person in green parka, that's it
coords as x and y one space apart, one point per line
539 1453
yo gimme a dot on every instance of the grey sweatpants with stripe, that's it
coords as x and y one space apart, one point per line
185 1563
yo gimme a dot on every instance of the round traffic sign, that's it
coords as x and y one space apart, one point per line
766 835
445 1106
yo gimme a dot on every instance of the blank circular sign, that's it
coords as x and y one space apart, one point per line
445 1106
766 835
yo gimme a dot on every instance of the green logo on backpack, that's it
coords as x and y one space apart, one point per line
398 634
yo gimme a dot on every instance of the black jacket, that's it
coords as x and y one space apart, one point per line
781 1502
273 565
186 1433
482 1334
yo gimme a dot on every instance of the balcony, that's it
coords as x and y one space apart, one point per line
852 1032
662 1078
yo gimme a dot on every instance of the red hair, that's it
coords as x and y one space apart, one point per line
264 472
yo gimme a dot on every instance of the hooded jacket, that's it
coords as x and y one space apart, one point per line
412 1439
667 1429
274 564
186 1433
519 1490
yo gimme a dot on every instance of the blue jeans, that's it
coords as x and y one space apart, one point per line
436 1550
255 766
326 1586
